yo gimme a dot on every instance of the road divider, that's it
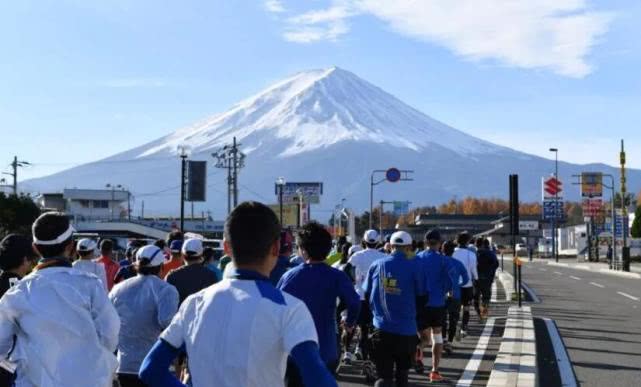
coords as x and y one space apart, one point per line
515 363
568 379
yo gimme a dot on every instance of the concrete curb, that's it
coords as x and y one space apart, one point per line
515 363
605 271
508 285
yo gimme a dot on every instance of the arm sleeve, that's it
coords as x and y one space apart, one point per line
105 318
464 276
174 334
7 327
167 305
298 326
349 296
367 284
311 367
473 269
102 274
154 370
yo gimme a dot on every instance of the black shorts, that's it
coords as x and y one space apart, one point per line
431 317
467 295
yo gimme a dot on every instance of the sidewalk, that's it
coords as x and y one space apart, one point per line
602 267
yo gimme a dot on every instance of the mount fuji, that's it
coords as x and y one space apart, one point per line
329 126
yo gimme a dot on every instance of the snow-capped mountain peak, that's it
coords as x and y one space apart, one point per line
315 109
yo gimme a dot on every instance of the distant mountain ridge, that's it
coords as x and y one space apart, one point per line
325 125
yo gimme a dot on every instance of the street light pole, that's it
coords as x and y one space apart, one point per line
280 182
556 203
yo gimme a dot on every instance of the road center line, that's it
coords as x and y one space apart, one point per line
562 360
575 278
628 296
467 378
558 272
597 285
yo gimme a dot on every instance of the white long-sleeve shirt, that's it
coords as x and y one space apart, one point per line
66 329
468 259
361 261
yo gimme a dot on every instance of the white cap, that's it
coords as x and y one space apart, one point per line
86 245
371 236
400 238
354 249
152 253
193 246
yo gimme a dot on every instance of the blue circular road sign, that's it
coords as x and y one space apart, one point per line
393 175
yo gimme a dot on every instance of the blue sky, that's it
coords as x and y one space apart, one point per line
81 80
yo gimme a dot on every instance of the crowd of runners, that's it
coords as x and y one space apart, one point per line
280 308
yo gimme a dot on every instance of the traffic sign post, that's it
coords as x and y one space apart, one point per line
552 189
392 175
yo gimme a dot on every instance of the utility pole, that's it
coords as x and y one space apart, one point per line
183 169
625 250
14 166
232 159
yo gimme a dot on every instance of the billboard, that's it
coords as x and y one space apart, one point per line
311 192
196 181
591 184
290 214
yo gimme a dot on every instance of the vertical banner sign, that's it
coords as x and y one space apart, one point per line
196 181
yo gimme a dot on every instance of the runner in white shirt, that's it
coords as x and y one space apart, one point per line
468 258
65 327
361 262
240 331
86 252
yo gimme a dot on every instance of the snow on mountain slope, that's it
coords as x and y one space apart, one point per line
329 126
316 109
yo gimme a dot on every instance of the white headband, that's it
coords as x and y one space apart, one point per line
61 238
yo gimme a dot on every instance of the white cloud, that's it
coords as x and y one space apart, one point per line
325 24
274 6
556 35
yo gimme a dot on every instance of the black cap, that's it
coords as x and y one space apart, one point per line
433 235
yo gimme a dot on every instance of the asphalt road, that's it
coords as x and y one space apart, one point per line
599 320
454 366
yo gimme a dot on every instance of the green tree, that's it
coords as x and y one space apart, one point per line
635 231
17 213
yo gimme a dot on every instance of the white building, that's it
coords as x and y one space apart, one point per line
88 204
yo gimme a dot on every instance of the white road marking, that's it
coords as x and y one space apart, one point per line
558 272
494 298
628 296
477 356
542 269
562 360
597 285
575 278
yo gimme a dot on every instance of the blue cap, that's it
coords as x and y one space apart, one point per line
176 246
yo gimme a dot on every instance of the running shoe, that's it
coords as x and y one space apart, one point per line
435 377
348 358
463 333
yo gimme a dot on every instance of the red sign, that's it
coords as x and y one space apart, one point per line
592 207
552 186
